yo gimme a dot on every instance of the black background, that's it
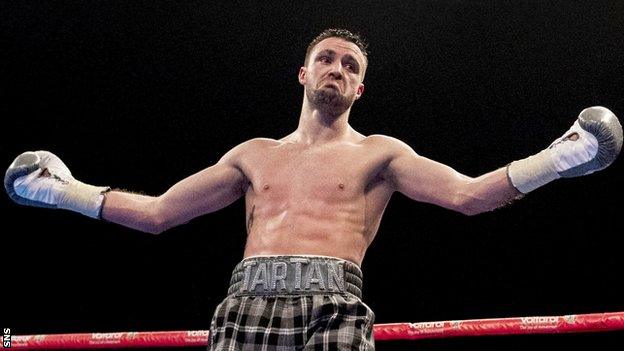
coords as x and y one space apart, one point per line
138 95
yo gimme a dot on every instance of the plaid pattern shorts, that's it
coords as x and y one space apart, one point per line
309 318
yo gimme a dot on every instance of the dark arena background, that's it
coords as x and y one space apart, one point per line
140 94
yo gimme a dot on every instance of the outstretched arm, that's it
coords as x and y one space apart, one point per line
423 179
41 179
206 191
592 144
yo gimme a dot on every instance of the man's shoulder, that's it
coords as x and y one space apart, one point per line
252 146
389 147
259 143
380 140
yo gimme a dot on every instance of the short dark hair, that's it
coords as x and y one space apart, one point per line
338 33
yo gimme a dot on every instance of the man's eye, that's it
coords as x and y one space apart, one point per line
324 59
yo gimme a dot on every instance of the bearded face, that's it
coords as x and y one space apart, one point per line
329 100
333 76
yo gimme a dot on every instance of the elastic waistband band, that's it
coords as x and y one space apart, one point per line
295 275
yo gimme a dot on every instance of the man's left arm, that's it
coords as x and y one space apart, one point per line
426 180
592 144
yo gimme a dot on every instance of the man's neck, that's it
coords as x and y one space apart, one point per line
315 127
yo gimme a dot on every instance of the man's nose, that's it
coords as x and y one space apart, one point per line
336 70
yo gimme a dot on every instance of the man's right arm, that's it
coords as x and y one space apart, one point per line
206 191
41 179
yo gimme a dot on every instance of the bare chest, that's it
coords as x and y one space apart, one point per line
331 172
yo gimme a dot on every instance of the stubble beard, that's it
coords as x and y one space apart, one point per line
329 101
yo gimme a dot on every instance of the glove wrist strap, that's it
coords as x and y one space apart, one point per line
532 172
83 198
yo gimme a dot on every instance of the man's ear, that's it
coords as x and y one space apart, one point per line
302 75
360 91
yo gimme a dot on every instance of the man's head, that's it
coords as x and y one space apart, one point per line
335 64
338 33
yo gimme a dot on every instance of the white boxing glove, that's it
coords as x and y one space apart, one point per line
41 179
592 144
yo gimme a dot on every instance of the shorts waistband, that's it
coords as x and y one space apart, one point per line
295 275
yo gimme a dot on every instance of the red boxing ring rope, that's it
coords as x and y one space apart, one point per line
574 323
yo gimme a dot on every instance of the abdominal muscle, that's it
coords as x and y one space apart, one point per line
309 227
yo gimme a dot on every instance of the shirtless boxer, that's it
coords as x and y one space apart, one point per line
314 201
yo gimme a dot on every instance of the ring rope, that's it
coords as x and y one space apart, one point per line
574 323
